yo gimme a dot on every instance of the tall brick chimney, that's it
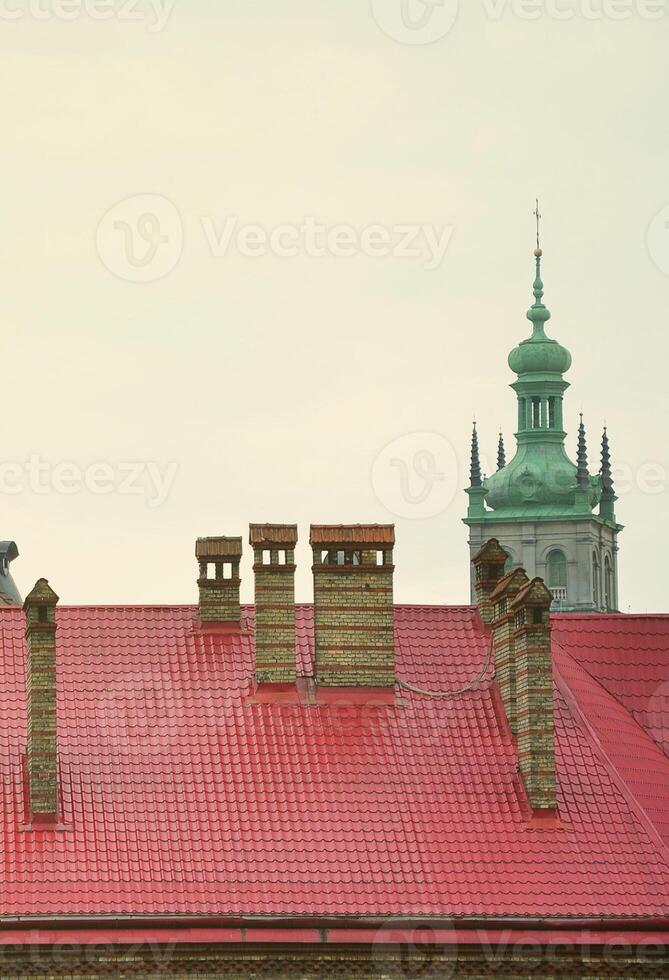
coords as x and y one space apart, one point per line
503 638
353 604
489 564
219 581
534 687
274 572
42 754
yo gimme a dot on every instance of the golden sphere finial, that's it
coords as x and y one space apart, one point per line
538 253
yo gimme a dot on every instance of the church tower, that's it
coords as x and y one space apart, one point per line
547 512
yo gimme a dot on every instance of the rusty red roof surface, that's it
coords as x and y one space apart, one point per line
182 793
272 534
218 547
352 534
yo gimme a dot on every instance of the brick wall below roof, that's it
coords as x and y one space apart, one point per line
413 959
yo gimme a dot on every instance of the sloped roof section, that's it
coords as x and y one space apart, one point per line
629 657
183 793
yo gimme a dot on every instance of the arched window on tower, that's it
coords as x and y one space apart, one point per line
557 575
595 579
608 584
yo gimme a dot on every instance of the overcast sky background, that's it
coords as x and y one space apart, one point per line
273 382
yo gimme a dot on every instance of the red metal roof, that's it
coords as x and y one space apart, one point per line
183 794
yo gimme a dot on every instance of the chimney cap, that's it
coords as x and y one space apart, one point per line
221 547
511 584
535 593
345 534
267 534
491 551
42 594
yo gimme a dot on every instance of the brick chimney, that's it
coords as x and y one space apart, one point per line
274 571
219 581
489 564
503 637
42 754
534 693
353 604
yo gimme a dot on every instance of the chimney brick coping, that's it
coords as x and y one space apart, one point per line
345 534
221 547
277 534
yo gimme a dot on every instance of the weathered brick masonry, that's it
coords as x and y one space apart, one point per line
274 572
503 637
534 680
489 564
418 956
353 605
219 581
40 610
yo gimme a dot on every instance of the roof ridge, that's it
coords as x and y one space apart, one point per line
598 747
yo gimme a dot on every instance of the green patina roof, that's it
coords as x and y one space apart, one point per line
541 482
539 354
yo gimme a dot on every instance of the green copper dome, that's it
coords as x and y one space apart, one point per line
541 478
539 354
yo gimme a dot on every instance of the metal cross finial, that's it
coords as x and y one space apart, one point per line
537 215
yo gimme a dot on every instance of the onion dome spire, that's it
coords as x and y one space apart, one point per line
501 453
539 354
538 313
475 469
582 474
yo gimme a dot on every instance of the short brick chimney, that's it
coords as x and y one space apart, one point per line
534 693
503 638
219 581
489 564
274 572
42 754
353 604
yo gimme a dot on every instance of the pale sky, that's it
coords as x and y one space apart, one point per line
264 379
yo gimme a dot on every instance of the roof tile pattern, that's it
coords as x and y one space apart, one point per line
629 656
182 793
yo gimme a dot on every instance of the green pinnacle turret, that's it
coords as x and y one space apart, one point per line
582 475
501 453
607 505
475 467
476 491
